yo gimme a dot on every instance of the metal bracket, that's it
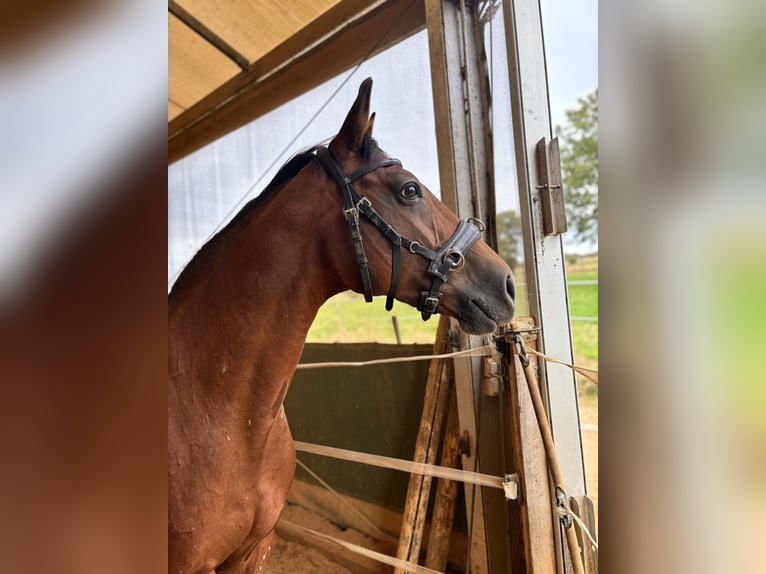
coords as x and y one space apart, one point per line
492 374
464 444
549 186
511 486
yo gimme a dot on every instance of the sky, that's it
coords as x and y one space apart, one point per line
571 44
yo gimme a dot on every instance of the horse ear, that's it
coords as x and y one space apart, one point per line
358 123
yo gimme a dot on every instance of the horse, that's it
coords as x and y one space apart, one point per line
239 313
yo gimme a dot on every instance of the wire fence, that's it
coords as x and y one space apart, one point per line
574 283
578 282
347 318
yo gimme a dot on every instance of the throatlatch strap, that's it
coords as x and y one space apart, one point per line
396 255
352 216
351 213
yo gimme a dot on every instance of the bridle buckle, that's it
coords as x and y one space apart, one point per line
429 302
458 262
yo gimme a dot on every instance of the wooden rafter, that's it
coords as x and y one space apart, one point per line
211 37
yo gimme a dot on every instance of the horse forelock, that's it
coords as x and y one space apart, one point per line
370 149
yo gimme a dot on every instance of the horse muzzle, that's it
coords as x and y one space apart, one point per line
482 298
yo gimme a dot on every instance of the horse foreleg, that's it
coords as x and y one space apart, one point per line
254 561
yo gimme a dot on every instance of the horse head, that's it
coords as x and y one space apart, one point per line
408 240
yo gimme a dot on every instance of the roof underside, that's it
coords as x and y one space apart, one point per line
230 61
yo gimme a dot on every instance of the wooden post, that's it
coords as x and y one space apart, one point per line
398 335
437 393
537 526
446 495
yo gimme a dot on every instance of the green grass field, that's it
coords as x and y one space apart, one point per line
583 302
346 317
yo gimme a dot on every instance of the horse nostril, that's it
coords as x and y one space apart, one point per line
510 287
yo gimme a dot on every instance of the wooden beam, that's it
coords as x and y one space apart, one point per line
211 37
173 109
537 529
277 78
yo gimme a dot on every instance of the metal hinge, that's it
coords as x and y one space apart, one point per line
549 185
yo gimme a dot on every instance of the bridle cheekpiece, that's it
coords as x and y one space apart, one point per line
450 257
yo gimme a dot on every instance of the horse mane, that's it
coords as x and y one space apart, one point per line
285 174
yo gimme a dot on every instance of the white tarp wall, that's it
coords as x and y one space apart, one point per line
206 188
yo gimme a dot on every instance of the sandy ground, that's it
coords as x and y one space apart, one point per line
290 557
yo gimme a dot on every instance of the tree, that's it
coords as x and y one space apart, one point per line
579 166
509 237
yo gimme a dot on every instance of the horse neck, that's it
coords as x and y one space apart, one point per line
237 332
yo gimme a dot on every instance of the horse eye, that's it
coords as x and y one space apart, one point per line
410 192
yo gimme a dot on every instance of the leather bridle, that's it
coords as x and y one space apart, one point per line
449 257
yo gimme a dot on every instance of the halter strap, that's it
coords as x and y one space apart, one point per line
450 256
353 204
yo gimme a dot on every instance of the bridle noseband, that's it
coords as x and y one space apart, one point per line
450 256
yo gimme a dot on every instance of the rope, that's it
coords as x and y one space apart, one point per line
377 556
590 374
383 535
583 527
478 351
404 465
566 511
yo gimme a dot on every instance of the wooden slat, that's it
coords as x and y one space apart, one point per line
249 97
254 27
437 394
195 68
531 465
446 495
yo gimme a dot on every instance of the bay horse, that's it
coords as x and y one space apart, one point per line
239 313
